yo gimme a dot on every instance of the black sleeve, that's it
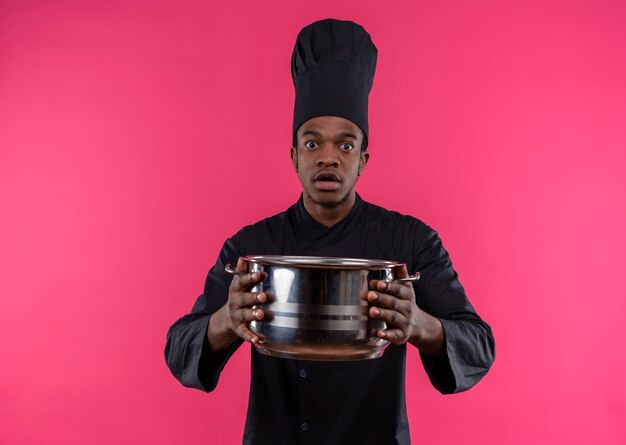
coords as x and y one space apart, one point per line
469 342
186 352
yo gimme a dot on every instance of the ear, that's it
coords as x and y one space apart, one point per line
363 161
294 158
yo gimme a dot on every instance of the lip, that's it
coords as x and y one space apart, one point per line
325 174
327 181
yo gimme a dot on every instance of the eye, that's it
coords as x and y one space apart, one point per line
346 146
311 145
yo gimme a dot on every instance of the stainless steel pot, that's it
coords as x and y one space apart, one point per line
314 310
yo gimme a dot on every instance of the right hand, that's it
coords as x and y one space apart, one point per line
240 301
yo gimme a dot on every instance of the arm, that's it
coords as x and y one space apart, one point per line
456 346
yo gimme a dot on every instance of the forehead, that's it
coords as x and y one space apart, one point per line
330 126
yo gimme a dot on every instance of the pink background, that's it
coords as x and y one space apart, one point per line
136 136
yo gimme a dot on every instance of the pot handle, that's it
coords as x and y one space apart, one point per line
410 279
230 270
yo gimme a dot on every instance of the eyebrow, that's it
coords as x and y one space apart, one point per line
346 135
313 133
337 136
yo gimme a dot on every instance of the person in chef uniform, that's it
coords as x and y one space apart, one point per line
314 402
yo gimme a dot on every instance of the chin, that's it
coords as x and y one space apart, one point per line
329 204
329 200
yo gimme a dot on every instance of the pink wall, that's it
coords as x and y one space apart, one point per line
136 136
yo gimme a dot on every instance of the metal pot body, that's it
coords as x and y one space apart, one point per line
314 310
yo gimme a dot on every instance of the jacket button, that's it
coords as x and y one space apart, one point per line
305 427
303 373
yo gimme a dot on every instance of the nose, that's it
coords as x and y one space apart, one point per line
327 156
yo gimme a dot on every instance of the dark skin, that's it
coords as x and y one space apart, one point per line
328 160
329 146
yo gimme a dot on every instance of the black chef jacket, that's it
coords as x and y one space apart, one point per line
362 402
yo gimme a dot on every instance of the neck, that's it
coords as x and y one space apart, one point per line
329 215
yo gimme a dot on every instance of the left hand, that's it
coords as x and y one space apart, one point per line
395 304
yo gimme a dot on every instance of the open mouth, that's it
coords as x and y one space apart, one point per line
327 181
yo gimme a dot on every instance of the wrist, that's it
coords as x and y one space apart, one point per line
219 332
430 337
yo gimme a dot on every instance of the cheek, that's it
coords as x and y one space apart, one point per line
301 174
356 165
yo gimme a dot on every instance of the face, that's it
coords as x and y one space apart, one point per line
329 160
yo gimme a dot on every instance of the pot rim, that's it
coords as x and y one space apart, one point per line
322 262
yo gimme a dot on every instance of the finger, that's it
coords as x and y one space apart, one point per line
386 301
246 315
400 290
392 317
248 280
247 299
393 335
242 265
403 272
262 338
248 335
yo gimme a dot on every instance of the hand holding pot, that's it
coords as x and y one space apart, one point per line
233 319
241 300
395 304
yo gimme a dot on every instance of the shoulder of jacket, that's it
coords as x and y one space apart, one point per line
263 225
394 218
